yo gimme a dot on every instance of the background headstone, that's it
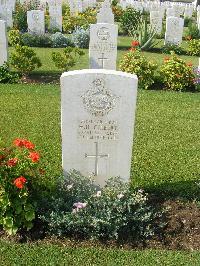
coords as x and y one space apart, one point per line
103 40
174 30
98 111
36 23
55 13
3 43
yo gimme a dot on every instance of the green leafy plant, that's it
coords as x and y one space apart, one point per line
60 40
14 37
83 20
81 38
145 34
130 21
67 58
193 31
24 59
34 40
81 209
134 62
19 169
176 74
170 47
6 76
194 47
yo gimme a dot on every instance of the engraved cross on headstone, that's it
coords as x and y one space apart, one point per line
102 58
97 156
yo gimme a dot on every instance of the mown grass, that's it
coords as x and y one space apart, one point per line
40 254
166 142
124 43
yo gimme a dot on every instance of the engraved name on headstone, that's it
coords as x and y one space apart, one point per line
98 110
55 13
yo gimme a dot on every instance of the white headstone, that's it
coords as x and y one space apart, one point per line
55 13
105 14
198 19
98 111
174 30
103 46
36 23
156 21
3 43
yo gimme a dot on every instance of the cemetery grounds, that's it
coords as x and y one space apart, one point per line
165 164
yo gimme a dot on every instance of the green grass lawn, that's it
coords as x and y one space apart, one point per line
40 254
48 67
166 142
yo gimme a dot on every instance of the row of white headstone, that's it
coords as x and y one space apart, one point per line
36 18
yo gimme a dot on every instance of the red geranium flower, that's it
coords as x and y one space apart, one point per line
18 142
189 64
135 43
12 162
29 145
34 156
19 182
24 143
166 59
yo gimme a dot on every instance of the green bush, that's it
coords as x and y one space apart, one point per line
14 37
130 21
20 17
194 47
34 40
19 169
193 31
6 76
81 209
134 62
81 38
67 59
83 20
177 75
170 47
24 59
60 40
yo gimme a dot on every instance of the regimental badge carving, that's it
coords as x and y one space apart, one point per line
35 17
103 34
98 100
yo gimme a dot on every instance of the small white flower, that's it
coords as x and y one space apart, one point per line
120 196
98 194
69 187
141 191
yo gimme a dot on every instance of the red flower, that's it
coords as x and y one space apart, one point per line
12 162
19 182
189 64
24 143
29 145
135 43
34 156
18 142
166 59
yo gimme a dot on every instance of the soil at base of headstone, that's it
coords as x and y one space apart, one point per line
181 232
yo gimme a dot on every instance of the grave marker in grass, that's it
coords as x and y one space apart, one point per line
98 111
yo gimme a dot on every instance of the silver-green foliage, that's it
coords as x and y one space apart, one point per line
82 209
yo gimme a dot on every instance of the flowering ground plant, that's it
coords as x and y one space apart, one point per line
176 74
82 209
18 169
135 62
